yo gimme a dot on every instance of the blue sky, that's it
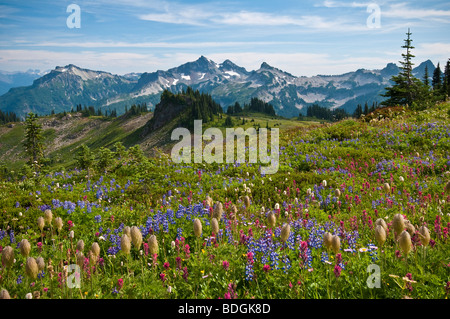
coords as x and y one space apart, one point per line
304 38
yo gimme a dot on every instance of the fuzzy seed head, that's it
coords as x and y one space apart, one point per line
80 260
285 231
271 219
95 248
386 188
327 240
424 235
92 258
4 294
209 201
153 244
404 242
41 223
337 192
58 223
410 228
380 234
335 243
214 226
247 202
136 237
218 211
41 263
197 227
7 256
25 247
48 216
125 244
127 231
382 223
398 222
31 268
80 245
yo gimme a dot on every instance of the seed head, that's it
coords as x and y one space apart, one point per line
153 244
214 226
410 228
80 260
335 243
209 201
25 247
327 240
285 231
127 231
125 244
7 256
382 223
386 188
31 268
80 245
404 242
136 237
41 223
424 235
398 222
197 227
337 192
41 263
271 219
218 211
4 294
380 234
58 223
48 216
247 202
95 248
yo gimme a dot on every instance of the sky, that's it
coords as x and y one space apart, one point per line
304 38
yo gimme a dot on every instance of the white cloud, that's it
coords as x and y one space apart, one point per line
403 11
298 64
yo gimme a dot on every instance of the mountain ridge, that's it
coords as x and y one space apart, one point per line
67 86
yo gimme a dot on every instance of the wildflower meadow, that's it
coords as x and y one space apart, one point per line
359 209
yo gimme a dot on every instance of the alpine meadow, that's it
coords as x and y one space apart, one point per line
210 181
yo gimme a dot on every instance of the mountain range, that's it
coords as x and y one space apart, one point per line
65 87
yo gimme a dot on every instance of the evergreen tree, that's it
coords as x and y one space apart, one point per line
85 159
358 111
228 121
426 76
366 109
446 82
437 80
406 89
33 141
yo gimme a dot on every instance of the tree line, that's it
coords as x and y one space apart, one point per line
7 117
255 105
324 113
407 90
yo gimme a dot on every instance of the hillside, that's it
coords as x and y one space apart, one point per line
63 135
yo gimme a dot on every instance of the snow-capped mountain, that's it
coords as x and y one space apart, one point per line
65 87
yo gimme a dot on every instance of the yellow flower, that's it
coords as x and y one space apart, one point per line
86 293
202 271
203 251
